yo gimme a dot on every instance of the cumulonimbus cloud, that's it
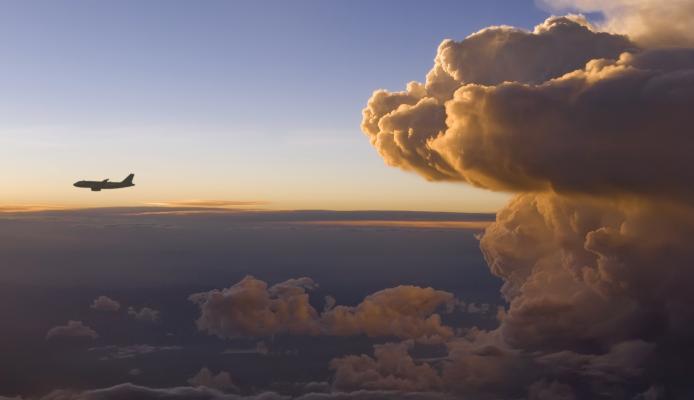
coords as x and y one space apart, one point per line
594 130
515 119
649 22
582 270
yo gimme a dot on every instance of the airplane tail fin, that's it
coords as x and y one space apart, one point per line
129 179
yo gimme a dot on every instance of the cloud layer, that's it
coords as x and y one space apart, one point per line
251 308
131 391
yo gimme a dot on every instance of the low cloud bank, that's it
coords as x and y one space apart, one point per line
252 308
131 391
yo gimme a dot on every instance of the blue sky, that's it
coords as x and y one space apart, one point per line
244 100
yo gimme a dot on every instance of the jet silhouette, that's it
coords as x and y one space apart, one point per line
96 186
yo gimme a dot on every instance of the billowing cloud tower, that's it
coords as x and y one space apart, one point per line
594 131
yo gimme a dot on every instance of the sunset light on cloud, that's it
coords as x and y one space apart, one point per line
347 200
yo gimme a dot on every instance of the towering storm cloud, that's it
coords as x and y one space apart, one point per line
651 22
561 108
594 130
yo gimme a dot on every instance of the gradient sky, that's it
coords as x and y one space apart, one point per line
234 100
579 287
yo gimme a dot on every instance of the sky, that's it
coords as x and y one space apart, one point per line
240 100
304 224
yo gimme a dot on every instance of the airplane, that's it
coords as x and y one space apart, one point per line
96 186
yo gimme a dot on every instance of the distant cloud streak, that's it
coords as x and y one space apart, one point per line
463 225
28 208
208 203
113 352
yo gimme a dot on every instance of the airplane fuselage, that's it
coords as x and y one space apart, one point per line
97 186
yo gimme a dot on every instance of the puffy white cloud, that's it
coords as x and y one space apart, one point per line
479 365
391 368
144 314
482 365
582 132
580 270
649 22
597 292
105 303
251 308
73 329
404 126
402 311
505 54
221 381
